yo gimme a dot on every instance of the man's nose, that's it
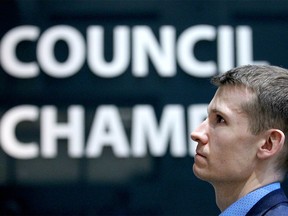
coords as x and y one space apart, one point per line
200 133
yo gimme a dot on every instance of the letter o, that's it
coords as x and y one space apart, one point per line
45 51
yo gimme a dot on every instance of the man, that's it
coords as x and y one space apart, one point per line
242 150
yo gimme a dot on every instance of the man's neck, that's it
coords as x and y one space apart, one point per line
228 193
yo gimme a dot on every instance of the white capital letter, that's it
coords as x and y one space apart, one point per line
51 130
244 44
10 144
145 45
146 132
95 58
185 48
10 63
76 51
225 48
107 130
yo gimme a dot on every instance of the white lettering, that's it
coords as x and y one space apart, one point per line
45 51
9 142
96 60
185 48
141 50
107 130
145 131
225 48
51 130
245 46
145 45
10 63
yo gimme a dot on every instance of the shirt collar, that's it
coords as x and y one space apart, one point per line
244 204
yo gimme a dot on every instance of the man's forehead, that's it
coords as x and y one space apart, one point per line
230 99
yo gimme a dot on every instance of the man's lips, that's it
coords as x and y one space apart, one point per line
200 154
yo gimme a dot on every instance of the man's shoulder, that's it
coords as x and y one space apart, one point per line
274 203
279 210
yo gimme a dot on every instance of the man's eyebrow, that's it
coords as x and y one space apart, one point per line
215 110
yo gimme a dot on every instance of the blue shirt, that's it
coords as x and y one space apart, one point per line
244 204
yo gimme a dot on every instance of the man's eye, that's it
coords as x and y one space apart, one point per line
219 119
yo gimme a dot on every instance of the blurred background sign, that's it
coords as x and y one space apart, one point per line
98 98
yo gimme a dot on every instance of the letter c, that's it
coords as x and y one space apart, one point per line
9 142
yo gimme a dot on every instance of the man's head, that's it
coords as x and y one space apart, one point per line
270 85
269 108
243 134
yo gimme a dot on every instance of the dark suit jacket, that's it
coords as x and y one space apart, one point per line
273 204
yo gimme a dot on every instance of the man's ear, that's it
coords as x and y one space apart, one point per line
273 144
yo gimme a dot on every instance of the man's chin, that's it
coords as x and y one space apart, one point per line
199 172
